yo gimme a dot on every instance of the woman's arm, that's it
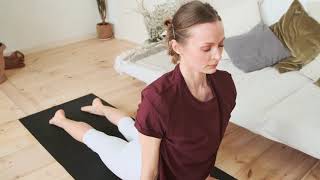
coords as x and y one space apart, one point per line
150 148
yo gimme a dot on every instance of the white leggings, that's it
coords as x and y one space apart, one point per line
121 157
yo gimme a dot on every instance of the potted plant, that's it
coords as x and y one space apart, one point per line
2 65
104 29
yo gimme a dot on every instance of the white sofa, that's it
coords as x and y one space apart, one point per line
281 107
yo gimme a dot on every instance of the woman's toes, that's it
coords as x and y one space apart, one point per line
52 120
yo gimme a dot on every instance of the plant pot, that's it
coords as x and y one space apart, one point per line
2 65
104 31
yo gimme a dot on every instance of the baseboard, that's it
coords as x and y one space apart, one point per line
50 45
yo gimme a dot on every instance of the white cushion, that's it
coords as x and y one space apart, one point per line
272 10
312 70
238 17
259 92
296 120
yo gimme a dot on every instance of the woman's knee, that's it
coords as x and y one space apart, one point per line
127 128
125 163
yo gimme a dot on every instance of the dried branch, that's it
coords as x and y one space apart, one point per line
102 7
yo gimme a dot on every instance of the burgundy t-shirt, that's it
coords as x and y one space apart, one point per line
191 130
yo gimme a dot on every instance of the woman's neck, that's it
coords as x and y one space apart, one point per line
194 80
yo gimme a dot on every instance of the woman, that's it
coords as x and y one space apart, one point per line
182 115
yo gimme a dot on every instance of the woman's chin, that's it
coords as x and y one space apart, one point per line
211 69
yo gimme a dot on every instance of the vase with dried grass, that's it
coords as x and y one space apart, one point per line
104 29
2 65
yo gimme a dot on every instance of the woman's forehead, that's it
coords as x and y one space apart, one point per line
212 32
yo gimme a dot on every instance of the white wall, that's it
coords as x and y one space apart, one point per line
38 24
238 16
128 22
130 25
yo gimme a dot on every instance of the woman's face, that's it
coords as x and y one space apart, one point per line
202 51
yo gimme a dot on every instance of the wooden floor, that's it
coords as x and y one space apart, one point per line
58 75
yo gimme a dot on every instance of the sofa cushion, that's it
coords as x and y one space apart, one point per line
295 121
256 49
301 34
312 70
317 82
259 91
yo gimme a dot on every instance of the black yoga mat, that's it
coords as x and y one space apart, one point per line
80 161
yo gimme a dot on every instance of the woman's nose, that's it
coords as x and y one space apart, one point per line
216 54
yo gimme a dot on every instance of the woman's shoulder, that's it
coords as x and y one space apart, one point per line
161 90
161 85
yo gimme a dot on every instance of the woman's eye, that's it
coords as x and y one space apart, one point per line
209 49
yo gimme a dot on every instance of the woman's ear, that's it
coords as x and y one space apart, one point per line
176 47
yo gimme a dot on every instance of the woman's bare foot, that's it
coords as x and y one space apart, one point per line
112 114
95 108
57 118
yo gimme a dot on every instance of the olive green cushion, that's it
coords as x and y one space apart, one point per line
300 33
317 82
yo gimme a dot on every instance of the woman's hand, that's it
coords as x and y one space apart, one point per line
96 107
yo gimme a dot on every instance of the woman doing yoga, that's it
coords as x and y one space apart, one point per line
182 116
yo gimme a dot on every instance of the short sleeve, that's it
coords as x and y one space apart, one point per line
234 92
148 121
